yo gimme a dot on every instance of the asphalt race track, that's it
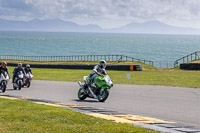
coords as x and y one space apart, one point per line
181 105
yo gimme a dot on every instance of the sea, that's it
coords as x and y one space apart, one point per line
162 49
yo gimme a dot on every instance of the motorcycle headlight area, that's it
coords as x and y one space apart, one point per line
21 76
108 82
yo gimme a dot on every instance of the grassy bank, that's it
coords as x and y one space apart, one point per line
27 117
163 77
195 61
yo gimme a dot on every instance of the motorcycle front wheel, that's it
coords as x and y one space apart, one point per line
28 84
15 88
81 94
103 95
3 86
20 85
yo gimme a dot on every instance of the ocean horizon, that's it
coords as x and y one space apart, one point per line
160 48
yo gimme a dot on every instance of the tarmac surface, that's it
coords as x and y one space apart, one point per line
176 104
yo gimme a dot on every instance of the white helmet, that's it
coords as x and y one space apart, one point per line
102 64
28 66
19 65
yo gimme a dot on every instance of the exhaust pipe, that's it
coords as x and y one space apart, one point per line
92 93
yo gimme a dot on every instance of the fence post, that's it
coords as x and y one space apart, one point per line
195 55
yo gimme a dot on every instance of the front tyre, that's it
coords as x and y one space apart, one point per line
28 84
81 94
103 95
15 88
20 85
3 87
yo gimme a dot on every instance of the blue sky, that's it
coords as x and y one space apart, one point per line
106 13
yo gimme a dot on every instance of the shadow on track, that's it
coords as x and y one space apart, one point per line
88 101
10 90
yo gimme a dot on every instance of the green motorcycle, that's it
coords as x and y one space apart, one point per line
98 89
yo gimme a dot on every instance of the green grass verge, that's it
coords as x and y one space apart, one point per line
163 77
27 117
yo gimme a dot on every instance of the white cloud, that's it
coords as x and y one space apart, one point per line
107 13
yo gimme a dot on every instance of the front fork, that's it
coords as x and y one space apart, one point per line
81 86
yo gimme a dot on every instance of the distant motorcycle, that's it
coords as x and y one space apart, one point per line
27 80
4 78
18 81
99 88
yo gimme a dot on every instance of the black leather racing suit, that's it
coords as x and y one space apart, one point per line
16 70
4 70
27 70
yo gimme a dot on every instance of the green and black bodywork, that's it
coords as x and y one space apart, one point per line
99 88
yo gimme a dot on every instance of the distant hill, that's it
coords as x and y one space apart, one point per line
47 25
150 27
154 27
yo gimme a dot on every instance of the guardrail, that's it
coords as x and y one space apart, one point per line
187 58
118 58
120 67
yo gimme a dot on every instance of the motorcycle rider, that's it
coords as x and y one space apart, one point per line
16 70
3 68
98 70
28 69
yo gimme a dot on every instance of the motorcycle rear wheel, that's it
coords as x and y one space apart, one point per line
81 94
102 96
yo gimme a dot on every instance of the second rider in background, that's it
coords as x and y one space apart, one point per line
16 70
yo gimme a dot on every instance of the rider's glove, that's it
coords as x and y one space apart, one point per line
101 75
